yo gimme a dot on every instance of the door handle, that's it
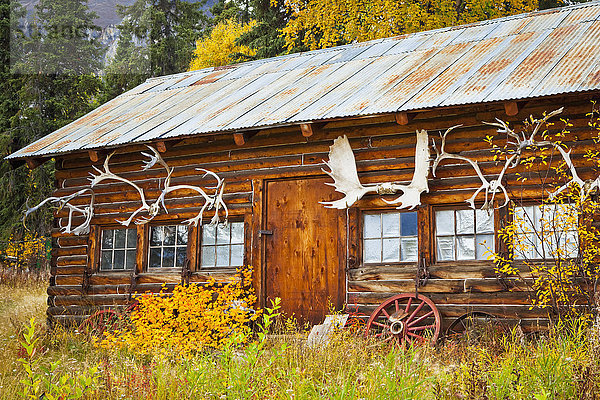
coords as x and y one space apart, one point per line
265 232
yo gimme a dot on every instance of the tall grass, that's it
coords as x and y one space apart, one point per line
561 364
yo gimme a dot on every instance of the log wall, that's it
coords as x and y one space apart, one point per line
384 151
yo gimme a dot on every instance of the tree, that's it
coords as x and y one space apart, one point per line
166 31
52 81
315 24
220 47
265 38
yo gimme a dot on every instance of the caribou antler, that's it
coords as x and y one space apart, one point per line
64 201
342 165
490 187
525 141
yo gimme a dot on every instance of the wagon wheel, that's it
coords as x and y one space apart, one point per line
407 318
100 321
471 325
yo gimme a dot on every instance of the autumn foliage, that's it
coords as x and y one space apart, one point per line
191 318
324 23
220 47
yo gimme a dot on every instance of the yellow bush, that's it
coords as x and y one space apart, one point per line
191 318
27 252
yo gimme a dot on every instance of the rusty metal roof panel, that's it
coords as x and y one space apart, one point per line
496 69
571 71
417 79
517 57
538 63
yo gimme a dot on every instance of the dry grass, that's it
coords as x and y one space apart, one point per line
564 364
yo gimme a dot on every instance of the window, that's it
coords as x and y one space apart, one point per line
545 231
117 249
168 246
390 237
464 234
222 245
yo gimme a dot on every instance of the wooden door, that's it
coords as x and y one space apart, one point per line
304 256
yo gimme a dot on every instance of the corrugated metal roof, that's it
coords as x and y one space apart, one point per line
523 56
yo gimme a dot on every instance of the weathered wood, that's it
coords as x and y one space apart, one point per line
94 155
511 108
404 118
302 256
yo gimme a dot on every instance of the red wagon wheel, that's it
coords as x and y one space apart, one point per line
407 318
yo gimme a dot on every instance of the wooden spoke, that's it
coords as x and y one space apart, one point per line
419 319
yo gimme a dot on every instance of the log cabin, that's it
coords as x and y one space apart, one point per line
264 129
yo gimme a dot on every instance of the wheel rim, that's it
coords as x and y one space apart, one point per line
100 321
406 319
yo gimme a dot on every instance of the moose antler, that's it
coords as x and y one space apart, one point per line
342 165
64 201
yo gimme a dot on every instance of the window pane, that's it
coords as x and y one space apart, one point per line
465 248
391 224
119 238
237 255
409 249
119 261
223 232
106 260
372 228
208 256
237 232
131 238
485 221
169 238
182 234
107 239
445 247
130 259
156 236
181 256
465 221
391 250
444 222
154 258
222 256
168 257
372 250
523 218
208 234
570 244
409 223
485 247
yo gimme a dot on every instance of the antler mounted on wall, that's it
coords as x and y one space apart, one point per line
342 165
151 209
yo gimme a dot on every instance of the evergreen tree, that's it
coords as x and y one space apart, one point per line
52 82
166 30
266 36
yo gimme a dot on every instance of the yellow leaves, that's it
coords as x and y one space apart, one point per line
325 23
189 319
219 48
27 251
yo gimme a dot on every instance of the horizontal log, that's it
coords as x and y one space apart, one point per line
477 270
452 311
510 298
124 278
92 300
436 286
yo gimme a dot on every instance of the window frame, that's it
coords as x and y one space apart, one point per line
455 207
99 245
360 253
538 203
146 256
222 268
